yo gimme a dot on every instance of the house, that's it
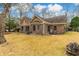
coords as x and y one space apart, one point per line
24 24
38 25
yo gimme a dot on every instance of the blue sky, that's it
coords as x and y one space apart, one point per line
57 8
69 6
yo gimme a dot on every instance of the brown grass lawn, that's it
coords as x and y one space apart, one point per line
37 45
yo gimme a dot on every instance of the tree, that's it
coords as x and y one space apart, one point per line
77 10
75 23
6 7
8 20
23 8
11 25
39 10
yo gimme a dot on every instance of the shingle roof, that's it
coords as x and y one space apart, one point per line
57 19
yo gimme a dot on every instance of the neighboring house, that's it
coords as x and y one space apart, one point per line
38 25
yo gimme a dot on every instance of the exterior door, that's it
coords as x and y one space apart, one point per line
27 29
50 29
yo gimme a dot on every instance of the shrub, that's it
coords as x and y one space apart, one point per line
72 49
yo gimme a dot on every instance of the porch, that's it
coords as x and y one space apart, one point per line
44 29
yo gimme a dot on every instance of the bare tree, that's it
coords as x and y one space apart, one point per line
23 8
77 10
2 22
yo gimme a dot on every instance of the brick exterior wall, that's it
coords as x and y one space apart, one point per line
60 29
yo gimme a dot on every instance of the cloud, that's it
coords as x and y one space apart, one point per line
55 7
76 4
39 7
50 8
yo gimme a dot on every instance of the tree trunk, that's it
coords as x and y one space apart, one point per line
2 22
2 29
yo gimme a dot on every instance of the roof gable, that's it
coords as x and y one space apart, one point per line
37 19
24 21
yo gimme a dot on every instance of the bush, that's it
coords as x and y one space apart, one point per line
72 49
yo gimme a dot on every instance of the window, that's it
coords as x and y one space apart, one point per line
22 28
55 28
34 28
